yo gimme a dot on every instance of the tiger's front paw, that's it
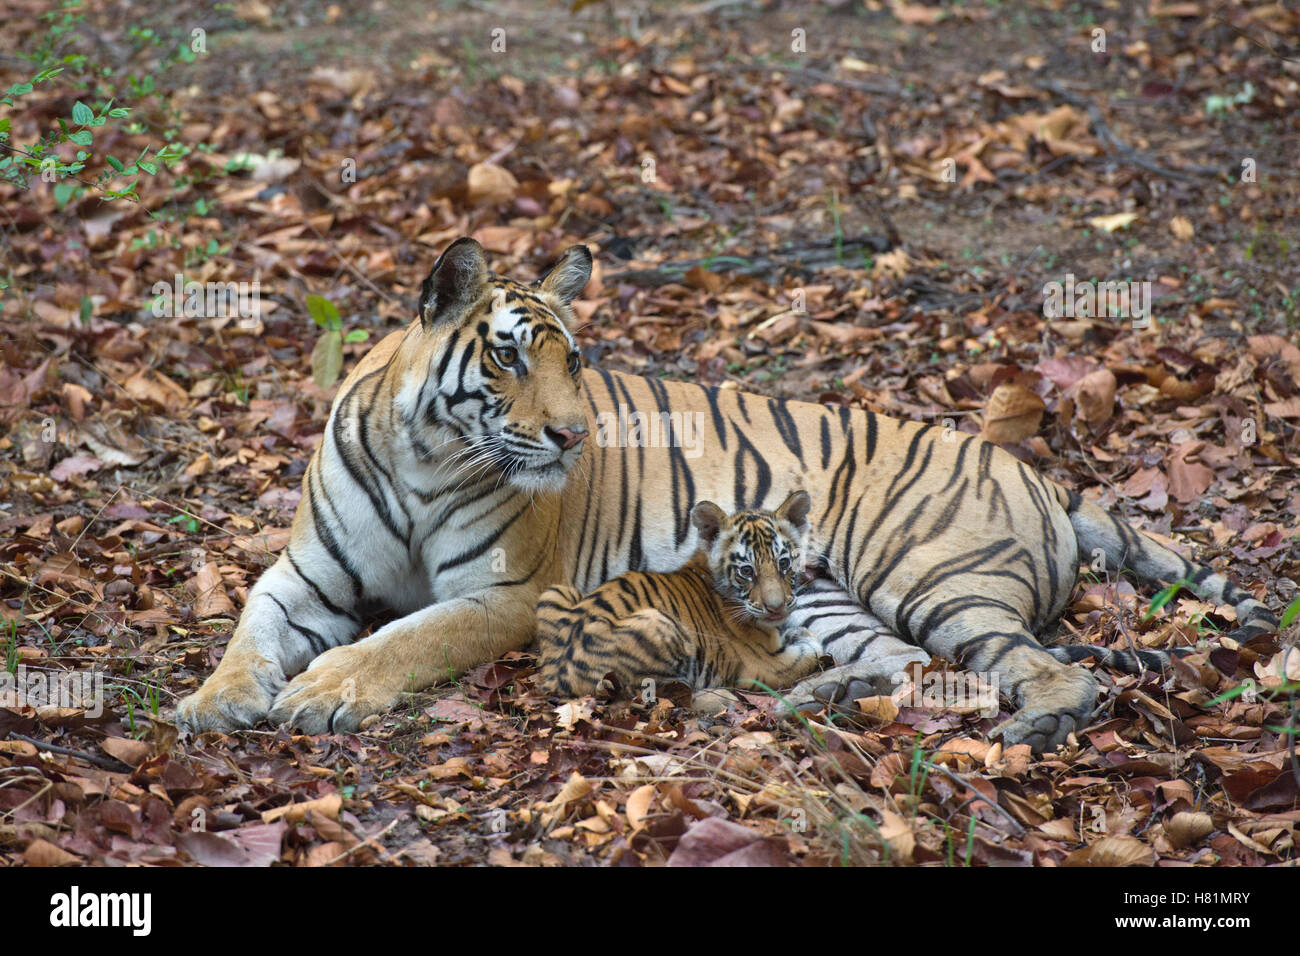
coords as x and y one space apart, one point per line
333 695
836 690
238 695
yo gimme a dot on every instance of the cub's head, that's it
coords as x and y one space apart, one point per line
756 557
498 384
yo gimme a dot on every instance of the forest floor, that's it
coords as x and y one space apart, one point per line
850 203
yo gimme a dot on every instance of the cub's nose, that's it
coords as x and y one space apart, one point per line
566 437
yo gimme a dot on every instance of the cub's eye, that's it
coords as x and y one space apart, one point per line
575 363
785 564
505 356
744 572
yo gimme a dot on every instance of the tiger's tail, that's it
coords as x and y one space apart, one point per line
1125 548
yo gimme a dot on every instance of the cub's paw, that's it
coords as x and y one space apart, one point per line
798 637
331 696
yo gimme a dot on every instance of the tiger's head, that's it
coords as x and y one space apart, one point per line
756 556
502 386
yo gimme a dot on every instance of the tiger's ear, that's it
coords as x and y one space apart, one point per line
707 518
569 276
795 509
454 283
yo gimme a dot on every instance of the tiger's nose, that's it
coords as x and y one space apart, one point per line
566 437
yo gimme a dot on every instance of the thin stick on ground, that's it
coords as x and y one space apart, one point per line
106 763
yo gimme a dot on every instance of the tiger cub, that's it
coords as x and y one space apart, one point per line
714 622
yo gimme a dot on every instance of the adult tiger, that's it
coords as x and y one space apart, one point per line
456 481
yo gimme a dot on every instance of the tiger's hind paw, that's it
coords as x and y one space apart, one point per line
1058 703
1044 730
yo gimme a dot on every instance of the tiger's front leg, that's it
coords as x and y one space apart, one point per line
347 684
285 623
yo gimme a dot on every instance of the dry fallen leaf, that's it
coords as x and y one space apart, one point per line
490 183
210 598
1282 667
1188 480
44 853
1187 828
638 804
328 806
575 788
571 712
878 708
1094 396
132 752
1116 221
1012 414
1113 851
897 833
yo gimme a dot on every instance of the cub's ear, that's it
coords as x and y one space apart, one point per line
795 509
568 276
707 518
454 283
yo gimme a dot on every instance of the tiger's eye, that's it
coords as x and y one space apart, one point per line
506 356
785 564
575 363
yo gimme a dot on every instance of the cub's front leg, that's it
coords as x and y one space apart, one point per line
798 657
347 684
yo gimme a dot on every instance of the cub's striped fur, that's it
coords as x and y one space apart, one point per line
455 483
714 622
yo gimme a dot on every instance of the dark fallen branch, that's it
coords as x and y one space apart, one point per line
976 795
809 75
106 763
862 86
1120 150
803 259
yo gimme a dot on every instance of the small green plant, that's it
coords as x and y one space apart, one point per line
148 703
11 649
920 772
42 158
1166 595
1290 614
327 356
1220 104
191 523
833 201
